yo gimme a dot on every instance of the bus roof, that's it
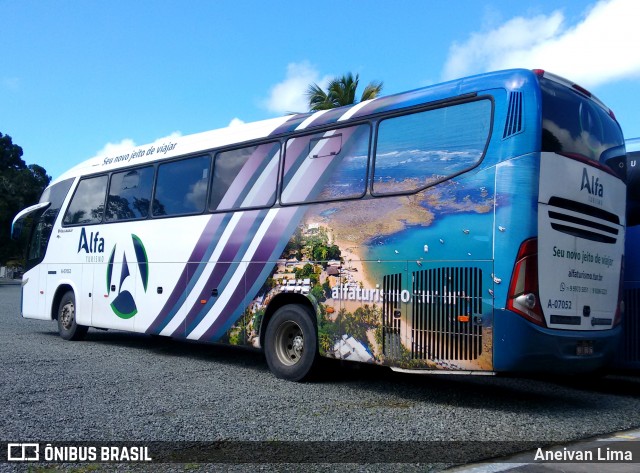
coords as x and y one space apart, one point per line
632 144
514 79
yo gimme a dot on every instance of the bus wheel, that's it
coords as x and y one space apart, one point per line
67 326
291 343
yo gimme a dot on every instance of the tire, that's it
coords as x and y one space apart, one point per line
291 343
67 326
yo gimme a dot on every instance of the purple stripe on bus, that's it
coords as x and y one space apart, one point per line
294 149
267 190
179 291
229 254
291 124
389 103
196 255
232 305
331 116
276 235
246 175
297 147
252 272
313 173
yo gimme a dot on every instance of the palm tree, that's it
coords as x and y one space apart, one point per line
340 91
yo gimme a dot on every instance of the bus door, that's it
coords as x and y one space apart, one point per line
85 294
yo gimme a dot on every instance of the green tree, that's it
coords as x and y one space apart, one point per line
333 252
318 293
10 154
340 91
326 287
320 253
20 187
325 342
306 271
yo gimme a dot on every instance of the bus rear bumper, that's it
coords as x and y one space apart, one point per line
520 346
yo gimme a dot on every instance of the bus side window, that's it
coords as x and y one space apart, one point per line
181 188
417 150
129 194
245 177
326 166
87 204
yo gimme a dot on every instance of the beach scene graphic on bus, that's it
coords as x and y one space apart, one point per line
342 252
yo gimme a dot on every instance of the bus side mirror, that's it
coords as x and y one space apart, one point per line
16 229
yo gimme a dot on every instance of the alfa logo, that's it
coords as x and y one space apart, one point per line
591 184
124 306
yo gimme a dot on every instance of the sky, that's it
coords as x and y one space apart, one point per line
84 78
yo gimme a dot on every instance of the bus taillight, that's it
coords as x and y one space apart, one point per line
523 296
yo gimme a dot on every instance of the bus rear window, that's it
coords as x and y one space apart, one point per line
574 124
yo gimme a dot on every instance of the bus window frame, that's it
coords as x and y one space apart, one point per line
427 108
157 165
317 131
75 191
236 147
127 170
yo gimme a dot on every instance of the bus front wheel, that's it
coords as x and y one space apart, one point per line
291 343
67 326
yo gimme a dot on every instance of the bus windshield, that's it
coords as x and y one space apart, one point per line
576 125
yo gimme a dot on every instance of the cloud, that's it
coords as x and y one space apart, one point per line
289 95
164 139
602 47
115 149
235 122
127 145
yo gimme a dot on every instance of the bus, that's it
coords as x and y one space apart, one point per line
474 226
629 353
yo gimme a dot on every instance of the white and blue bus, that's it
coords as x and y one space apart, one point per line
466 227
629 353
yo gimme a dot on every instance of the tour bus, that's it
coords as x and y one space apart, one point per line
474 226
629 353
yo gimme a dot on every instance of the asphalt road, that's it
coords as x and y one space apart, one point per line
121 387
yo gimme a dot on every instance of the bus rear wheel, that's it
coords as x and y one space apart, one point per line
291 343
67 326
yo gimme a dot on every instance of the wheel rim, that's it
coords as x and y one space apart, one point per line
67 314
289 343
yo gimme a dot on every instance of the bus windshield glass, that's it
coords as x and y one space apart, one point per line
575 125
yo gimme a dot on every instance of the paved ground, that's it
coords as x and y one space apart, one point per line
120 387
